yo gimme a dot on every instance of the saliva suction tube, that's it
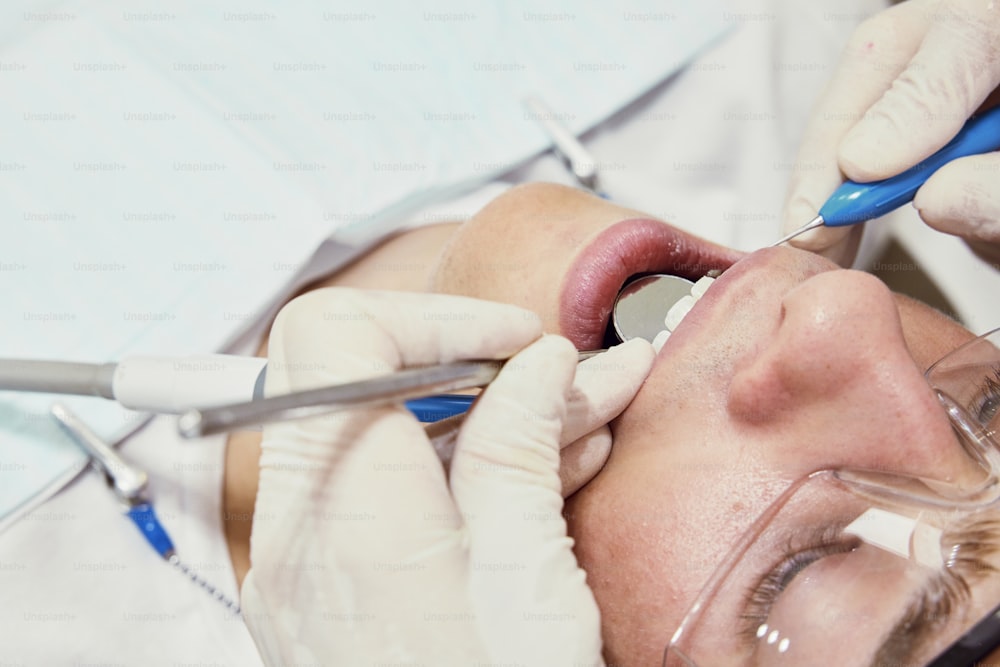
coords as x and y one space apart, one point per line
651 306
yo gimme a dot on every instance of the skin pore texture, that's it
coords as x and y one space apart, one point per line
786 366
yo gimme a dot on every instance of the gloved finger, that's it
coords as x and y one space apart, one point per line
604 386
878 50
358 500
339 334
504 478
334 335
516 426
581 460
963 198
372 534
363 528
267 636
956 67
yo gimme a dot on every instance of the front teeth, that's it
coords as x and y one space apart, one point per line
660 339
680 309
699 288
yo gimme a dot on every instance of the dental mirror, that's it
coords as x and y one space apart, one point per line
642 305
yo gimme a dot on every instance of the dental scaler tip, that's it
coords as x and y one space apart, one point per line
853 203
812 224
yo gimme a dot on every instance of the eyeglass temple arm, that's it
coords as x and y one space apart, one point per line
972 648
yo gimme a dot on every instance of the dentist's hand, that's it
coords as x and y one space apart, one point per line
366 548
909 79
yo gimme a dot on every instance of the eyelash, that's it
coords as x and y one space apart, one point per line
986 403
826 541
974 543
823 541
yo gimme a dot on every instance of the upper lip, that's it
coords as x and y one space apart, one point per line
622 250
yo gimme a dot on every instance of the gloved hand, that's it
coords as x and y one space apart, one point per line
909 79
366 550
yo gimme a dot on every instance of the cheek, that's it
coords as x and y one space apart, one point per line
649 533
483 260
619 534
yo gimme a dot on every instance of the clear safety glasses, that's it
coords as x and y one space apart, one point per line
867 568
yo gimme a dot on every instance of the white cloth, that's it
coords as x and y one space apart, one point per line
708 150
183 163
712 148
82 586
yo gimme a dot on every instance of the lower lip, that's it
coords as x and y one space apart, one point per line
625 249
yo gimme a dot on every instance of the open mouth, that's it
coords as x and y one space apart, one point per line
610 259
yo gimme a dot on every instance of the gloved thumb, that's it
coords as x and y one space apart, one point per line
870 62
953 71
963 198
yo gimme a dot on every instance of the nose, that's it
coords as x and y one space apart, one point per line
837 387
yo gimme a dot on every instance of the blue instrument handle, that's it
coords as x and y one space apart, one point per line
435 408
145 518
854 202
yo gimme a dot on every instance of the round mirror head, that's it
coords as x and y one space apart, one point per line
641 307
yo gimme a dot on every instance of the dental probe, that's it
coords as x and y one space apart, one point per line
175 385
376 391
643 308
853 202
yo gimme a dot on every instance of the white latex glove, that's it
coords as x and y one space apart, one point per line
366 550
909 79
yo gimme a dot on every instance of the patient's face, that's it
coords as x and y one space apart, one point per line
788 365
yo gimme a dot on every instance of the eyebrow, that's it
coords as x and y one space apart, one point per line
938 598
899 648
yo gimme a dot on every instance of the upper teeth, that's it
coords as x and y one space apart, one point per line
680 309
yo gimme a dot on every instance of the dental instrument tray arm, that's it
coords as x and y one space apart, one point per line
58 377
